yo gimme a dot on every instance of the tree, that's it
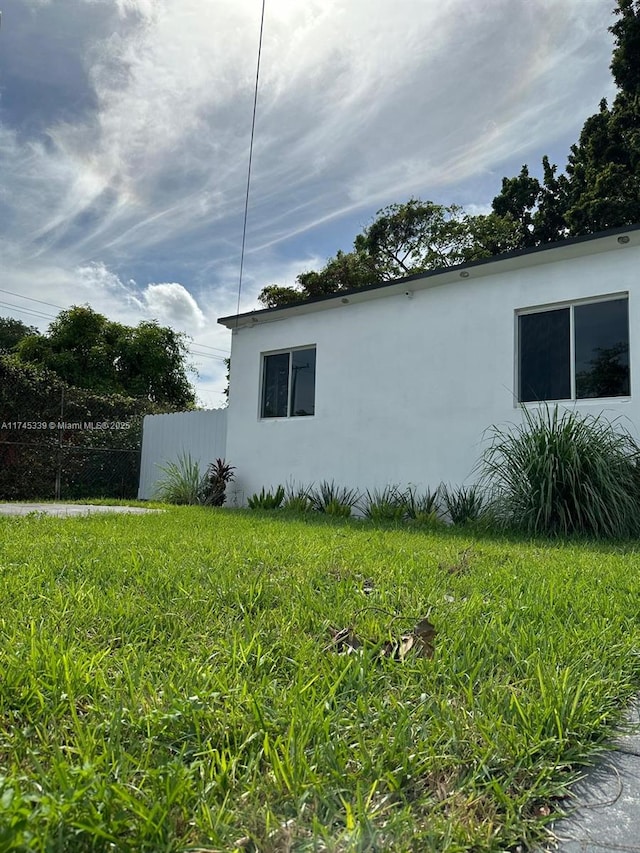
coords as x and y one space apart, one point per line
347 271
625 63
549 220
151 364
407 238
490 234
516 201
87 350
603 169
601 187
600 190
275 296
12 332
402 239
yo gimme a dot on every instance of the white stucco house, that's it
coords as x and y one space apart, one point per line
397 383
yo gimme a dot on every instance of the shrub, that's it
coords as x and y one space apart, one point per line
267 500
463 504
564 473
422 508
297 499
333 500
383 504
182 483
214 486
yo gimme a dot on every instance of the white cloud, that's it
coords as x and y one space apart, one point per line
351 98
361 103
172 304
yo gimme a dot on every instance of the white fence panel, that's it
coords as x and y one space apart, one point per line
203 435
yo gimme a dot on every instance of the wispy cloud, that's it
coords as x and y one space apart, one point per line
361 103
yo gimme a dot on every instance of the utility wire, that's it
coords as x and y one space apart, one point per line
21 309
30 298
207 346
253 130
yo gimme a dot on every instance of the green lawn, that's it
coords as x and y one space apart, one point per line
168 682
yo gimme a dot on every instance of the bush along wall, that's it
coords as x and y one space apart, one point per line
57 441
560 472
557 473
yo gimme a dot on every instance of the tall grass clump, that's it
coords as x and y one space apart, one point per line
297 499
422 507
181 483
463 503
560 473
266 499
332 499
383 504
184 483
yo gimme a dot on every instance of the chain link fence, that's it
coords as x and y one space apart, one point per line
58 442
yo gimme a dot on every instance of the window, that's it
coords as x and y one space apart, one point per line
289 384
574 352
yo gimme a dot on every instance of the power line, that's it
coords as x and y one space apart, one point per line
31 299
207 355
206 346
39 314
253 129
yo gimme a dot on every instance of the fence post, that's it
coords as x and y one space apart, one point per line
59 470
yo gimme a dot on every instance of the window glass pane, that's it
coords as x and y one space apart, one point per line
275 388
602 349
544 356
303 382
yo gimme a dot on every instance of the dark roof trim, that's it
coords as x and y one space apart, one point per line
584 238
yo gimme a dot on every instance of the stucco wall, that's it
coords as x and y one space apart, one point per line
406 387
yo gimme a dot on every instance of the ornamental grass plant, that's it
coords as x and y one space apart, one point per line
560 472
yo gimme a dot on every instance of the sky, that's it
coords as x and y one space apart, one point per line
125 129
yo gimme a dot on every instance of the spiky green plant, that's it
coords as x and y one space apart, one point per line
463 503
334 500
421 507
563 472
182 481
267 499
297 499
383 504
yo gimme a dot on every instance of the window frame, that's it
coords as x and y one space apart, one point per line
571 304
261 393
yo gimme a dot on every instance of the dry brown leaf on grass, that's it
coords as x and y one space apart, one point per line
420 642
426 633
461 565
344 641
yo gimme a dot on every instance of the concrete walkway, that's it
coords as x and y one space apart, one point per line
607 800
62 509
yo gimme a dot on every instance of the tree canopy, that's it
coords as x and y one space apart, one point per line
599 189
87 350
402 240
12 332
